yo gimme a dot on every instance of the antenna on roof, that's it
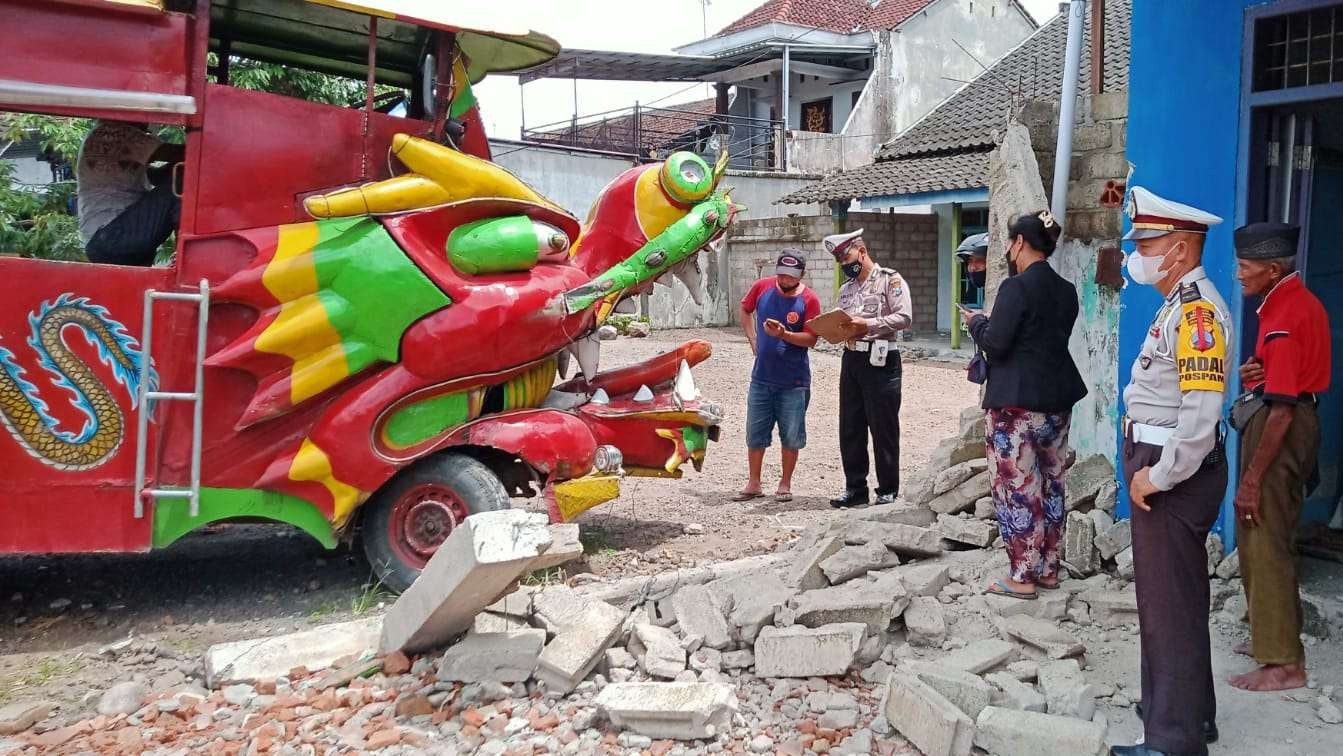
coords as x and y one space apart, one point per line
971 55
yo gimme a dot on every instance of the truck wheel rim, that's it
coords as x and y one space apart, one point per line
421 519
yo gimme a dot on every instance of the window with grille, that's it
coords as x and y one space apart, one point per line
1299 49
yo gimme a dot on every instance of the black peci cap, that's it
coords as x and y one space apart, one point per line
1266 241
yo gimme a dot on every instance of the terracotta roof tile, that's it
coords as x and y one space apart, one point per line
843 16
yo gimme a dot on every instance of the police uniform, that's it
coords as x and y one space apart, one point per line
870 376
1293 345
1173 427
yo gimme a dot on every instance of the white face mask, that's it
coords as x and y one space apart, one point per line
1147 270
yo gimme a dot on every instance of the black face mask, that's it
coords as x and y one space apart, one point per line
977 278
1011 266
853 269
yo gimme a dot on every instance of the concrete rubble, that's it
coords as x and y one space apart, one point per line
679 711
268 658
927 719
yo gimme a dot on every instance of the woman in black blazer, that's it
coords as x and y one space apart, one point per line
1032 386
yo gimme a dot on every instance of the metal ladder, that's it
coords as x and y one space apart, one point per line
195 396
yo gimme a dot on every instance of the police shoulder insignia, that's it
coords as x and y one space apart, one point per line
1200 348
1189 293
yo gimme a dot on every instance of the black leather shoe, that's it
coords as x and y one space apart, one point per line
883 499
850 499
1210 733
1142 750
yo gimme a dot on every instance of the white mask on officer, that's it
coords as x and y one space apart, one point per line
1147 270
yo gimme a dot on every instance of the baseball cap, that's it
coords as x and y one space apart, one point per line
790 263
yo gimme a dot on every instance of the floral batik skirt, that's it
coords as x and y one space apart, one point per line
1026 464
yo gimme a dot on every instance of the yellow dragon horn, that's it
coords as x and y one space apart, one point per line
720 167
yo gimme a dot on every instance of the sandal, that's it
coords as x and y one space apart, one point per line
1000 588
1054 586
783 496
745 496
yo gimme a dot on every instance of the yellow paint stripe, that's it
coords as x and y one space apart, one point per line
303 332
292 272
652 208
318 372
312 464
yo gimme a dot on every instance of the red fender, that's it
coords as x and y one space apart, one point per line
558 444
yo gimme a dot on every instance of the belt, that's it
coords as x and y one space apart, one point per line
1143 433
866 345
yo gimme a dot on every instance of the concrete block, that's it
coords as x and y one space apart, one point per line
805 573
662 654
873 604
1111 608
564 547
21 715
1005 732
1044 635
1079 549
1085 479
489 622
977 533
697 614
268 658
957 474
981 656
1230 567
963 496
744 659
493 657
984 509
970 693
924 579
1016 694
895 514
516 604
482 557
567 659
1114 539
676 711
804 652
751 600
926 718
557 608
855 561
1109 106
1066 690
925 624
906 540
1124 563
1214 548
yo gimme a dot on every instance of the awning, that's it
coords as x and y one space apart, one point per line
610 65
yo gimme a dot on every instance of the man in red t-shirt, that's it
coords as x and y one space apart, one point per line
1288 371
774 314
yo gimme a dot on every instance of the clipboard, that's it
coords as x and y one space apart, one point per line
830 325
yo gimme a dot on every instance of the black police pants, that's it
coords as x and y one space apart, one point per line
1170 564
869 400
133 237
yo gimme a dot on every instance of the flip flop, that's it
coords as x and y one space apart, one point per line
743 496
1048 586
783 497
999 588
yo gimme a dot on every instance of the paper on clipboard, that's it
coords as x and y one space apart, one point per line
830 325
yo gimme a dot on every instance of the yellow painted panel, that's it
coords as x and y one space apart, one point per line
574 497
292 272
302 327
312 464
318 372
654 210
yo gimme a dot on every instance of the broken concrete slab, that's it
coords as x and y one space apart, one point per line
1044 635
261 659
506 657
907 541
697 614
1112 608
874 604
806 574
1079 547
977 533
894 514
963 496
751 600
925 624
1005 732
924 579
478 562
676 711
1114 539
564 547
558 607
981 656
744 659
21 715
918 488
970 693
1101 519
855 561
1051 605
1124 564
1016 694
805 652
489 622
1066 690
926 718
627 592
1085 479
659 651
984 509
1230 567
567 659
1214 548
957 474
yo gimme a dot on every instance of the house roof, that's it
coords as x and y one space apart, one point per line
657 126
942 142
843 16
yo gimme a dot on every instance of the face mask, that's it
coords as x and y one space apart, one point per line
1011 266
853 269
1145 270
977 278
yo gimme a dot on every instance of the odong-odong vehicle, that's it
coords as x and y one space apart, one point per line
364 319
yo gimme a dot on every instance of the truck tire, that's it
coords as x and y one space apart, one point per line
406 520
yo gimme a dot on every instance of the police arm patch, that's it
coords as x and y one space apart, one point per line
1200 348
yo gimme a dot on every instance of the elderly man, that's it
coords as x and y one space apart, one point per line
1280 438
1175 465
878 304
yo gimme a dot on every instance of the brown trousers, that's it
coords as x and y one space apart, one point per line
1268 552
1170 564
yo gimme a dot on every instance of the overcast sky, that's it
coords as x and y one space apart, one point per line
652 26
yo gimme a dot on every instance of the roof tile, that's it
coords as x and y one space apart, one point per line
843 16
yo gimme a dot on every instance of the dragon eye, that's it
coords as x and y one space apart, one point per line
686 177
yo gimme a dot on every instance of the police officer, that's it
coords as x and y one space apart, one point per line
878 302
1176 470
974 254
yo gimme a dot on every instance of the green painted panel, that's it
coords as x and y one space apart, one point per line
494 245
423 420
172 518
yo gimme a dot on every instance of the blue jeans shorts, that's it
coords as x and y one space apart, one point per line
766 405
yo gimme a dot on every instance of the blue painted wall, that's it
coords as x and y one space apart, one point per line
1184 140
